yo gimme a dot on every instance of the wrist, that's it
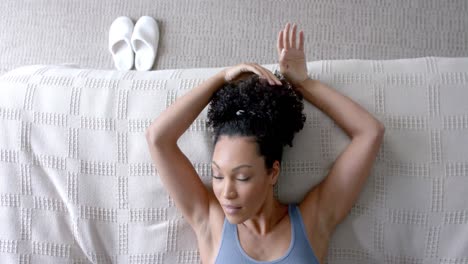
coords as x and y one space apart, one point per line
302 84
221 75
218 79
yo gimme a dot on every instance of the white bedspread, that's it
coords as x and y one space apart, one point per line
77 183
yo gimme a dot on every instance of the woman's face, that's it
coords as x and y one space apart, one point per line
240 180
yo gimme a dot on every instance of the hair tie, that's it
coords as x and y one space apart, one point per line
240 112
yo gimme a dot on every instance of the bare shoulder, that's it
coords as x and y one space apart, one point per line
210 232
317 224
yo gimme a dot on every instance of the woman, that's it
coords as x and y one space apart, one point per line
254 115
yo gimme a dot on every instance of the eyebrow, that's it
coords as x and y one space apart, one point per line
236 168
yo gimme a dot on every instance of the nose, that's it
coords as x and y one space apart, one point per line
229 190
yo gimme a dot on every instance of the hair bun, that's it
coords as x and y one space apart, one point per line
262 109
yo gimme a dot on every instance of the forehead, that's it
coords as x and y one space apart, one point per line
235 150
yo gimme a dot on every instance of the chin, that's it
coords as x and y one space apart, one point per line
235 219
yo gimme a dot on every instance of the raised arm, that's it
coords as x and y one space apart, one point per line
334 197
176 171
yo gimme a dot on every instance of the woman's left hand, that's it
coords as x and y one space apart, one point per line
292 60
236 71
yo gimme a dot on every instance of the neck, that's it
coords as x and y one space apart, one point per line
268 216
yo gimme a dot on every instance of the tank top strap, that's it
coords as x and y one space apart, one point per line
227 251
303 244
296 219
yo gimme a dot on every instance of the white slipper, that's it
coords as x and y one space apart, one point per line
120 47
144 41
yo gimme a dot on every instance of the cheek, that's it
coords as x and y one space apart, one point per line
216 189
253 189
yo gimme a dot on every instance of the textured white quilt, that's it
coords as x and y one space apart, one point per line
77 183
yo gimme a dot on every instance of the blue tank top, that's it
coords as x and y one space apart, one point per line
300 251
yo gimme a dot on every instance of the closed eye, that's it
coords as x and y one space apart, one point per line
220 178
217 178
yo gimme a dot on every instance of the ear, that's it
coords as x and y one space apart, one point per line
274 172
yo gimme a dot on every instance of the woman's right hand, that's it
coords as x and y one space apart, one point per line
235 72
292 60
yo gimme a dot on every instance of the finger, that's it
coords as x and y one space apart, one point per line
272 79
257 69
301 41
286 36
293 36
257 72
279 45
267 74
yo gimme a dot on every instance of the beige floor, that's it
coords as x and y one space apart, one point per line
225 32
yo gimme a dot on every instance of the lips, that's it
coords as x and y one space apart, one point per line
230 209
231 206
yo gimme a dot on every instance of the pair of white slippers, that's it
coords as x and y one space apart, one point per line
129 43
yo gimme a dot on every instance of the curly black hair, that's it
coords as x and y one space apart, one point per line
253 107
